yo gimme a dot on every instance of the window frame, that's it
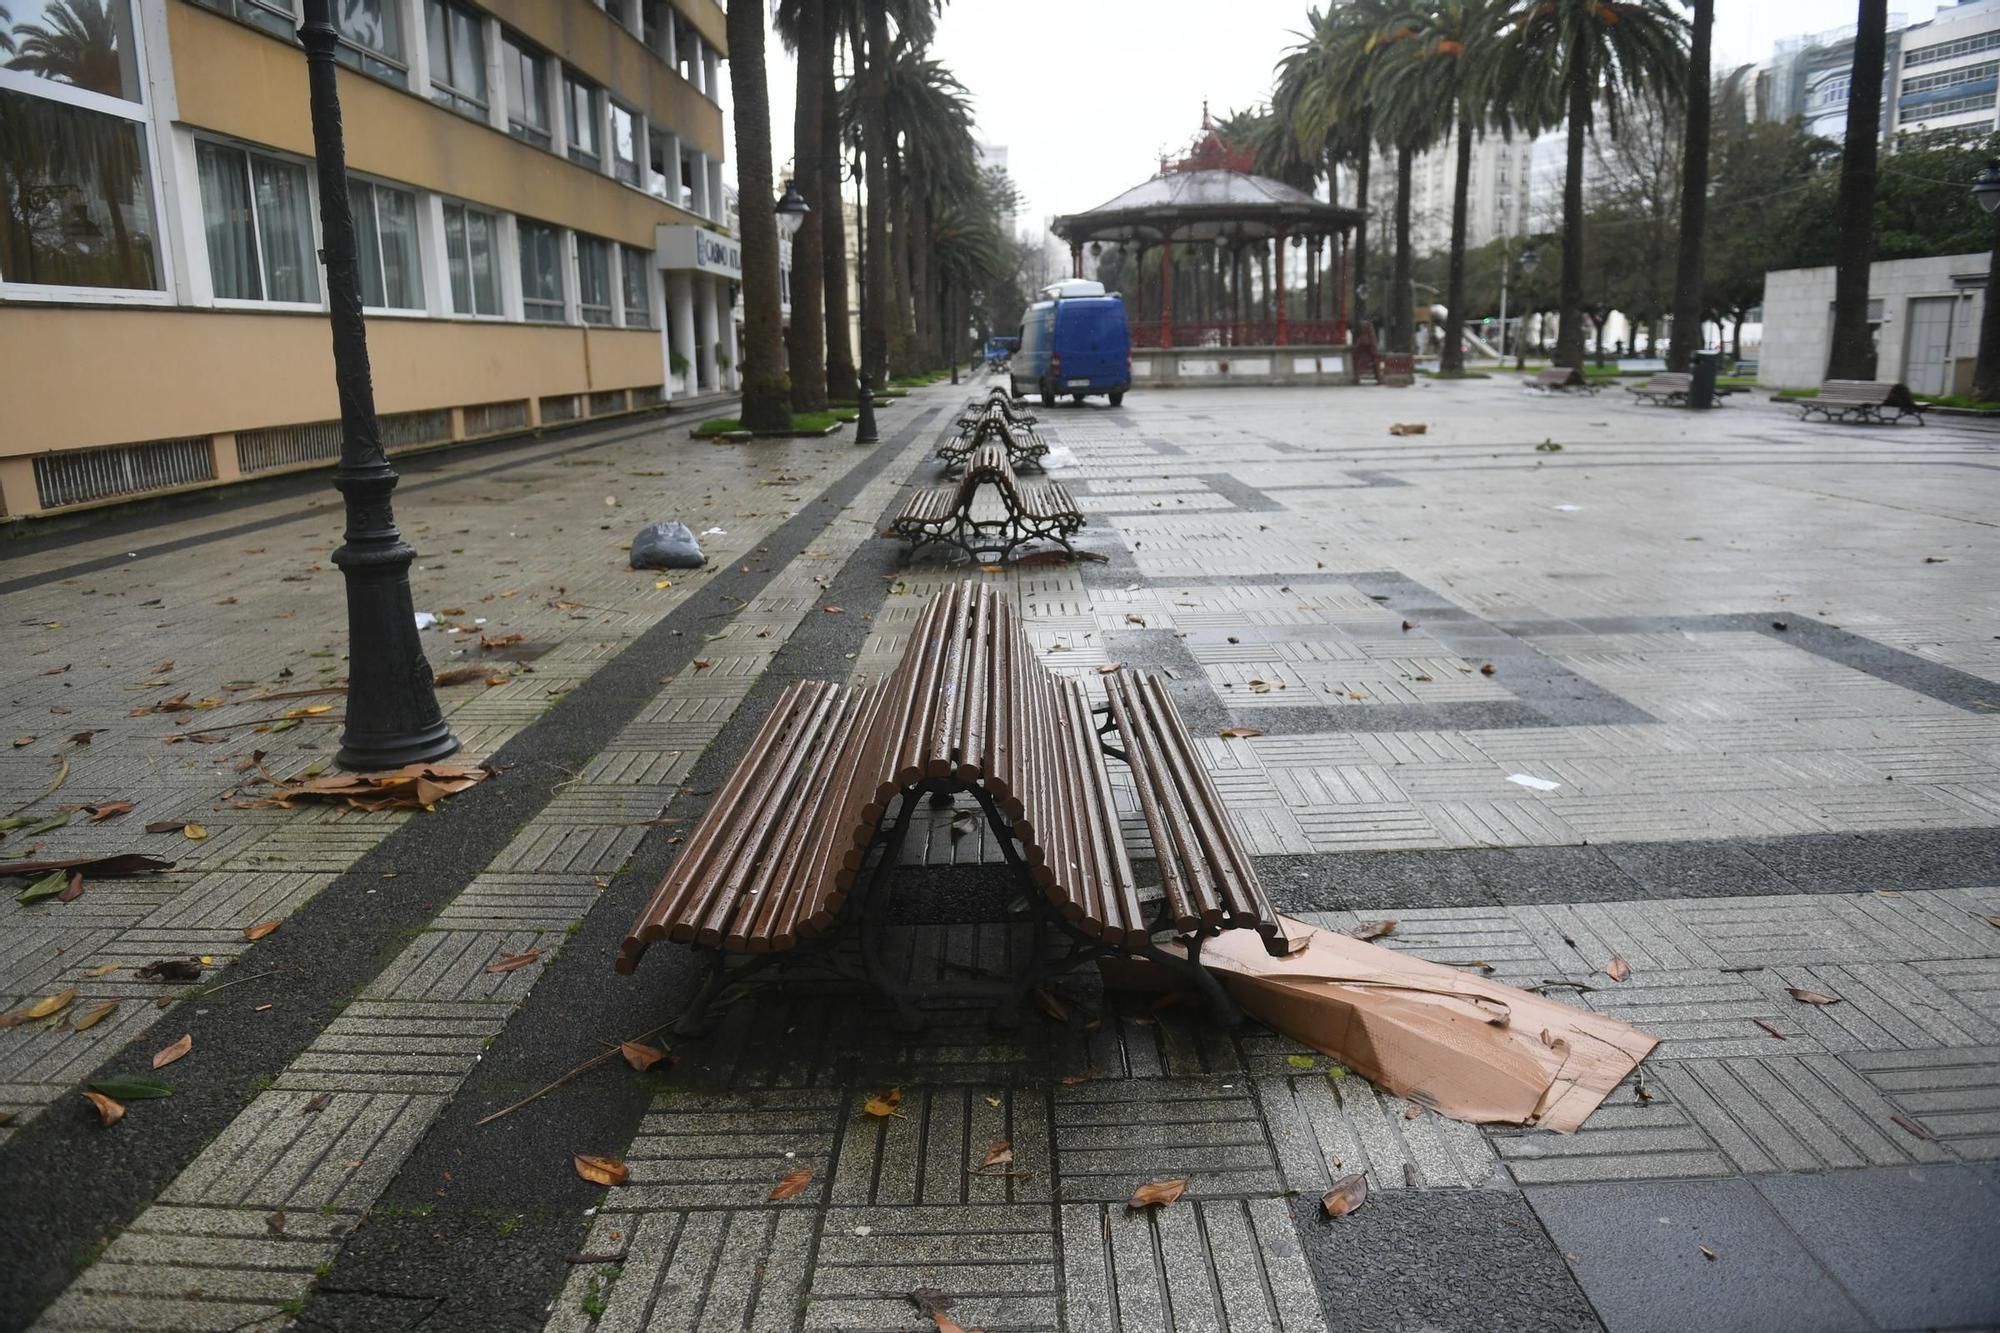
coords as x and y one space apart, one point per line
361 56
573 83
416 196
139 112
442 91
248 154
612 297
517 52
612 110
632 259
496 256
279 9
522 249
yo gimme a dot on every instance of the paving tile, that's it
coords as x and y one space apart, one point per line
1222 1264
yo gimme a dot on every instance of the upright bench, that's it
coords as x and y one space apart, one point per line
1666 390
1862 400
1025 446
804 837
1561 379
1031 511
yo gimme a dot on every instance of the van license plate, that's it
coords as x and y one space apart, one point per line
1079 384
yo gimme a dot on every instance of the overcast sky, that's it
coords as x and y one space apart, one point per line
1086 94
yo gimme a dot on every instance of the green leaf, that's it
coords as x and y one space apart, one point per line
1337 1072
286 725
48 886
52 822
132 1087
12 822
1300 1061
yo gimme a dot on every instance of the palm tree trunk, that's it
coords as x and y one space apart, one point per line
1361 165
1569 334
840 381
766 400
1402 303
1853 354
875 133
808 258
1454 284
1694 196
900 321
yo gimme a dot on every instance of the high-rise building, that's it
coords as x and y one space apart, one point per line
1939 77
538 197
993 157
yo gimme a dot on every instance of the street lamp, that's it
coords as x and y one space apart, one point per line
1528 261
393 717
1986 369
791 209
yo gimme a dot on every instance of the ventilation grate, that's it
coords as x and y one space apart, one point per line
567 407
122 469
287 446
606 401
492 418
406 430
650 396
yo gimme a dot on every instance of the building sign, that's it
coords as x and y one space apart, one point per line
681 248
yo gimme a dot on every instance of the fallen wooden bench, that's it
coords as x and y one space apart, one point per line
1032 511
1025 446
1561 379
1861 400
802 841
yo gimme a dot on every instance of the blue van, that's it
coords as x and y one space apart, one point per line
1073 342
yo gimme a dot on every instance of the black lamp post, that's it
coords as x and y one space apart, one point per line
392 709
1529 259
791 209
1986 370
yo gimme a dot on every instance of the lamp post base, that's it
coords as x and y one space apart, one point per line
367 754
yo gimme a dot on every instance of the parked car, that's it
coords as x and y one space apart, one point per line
1073 341
998 350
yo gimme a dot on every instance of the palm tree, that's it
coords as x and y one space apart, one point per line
1688 283
75 43
1853 353
1433 77
801 25
1562 59
936 113
766 397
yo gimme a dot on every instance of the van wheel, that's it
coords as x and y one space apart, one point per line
1117 398
1076 398
1048 398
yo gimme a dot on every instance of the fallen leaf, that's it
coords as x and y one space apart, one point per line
108 810
514 962
1347 1194
945 1324
792 1184
1486 670
1051 1006
73 889
131 1087
20 741
108 1111
164 826
260 930
1240 733
52 1004
601 1170
929 1300
1913 1127
1707 1253
193 832
94 1015
1110 667
275 1224
170 969
1617 969
1000 1152
1159 1193
640 1056
1374 930
1768 1028
167 1055
885 1104
48 886
1071 1080
1412 1111
319 1103
460 675
103 971
1811 996
833 610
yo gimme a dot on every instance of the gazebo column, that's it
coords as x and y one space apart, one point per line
1167 294
1280 266
1076 259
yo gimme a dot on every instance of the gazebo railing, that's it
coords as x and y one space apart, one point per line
1243 333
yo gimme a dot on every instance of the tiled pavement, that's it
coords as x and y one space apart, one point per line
1758 660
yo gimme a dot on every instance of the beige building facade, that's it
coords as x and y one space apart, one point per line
539 201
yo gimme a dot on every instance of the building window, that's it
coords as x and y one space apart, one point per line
624 145
468 245
593 279
458 57
371 38
257 212
385 245
1964 46
580 109
273 16
76 175
526 72
636 271
541 272
659 151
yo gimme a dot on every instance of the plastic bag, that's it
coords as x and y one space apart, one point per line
666 546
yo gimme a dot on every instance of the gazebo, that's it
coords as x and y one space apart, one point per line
1255 231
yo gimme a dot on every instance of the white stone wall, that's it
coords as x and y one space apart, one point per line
1798 315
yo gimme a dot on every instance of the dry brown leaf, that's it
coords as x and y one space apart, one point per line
108 810
1051 1006
1617 969
514 962
1707 1253
1768 1028
168 1054
72 890
165 826
885 1104
946 1324
1412 1111
1240 733
1071 1080
601 1170
193 832
94 1015
639 1055
460 675
260 930
1347 1194
1159 1193
1000 1152
1374 930
1486 670
1913 1127
1811 996
52 1004
1109 667
108 1111
792 1184
105 971
319 1103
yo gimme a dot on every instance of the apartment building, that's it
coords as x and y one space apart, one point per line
539 200
1939 77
